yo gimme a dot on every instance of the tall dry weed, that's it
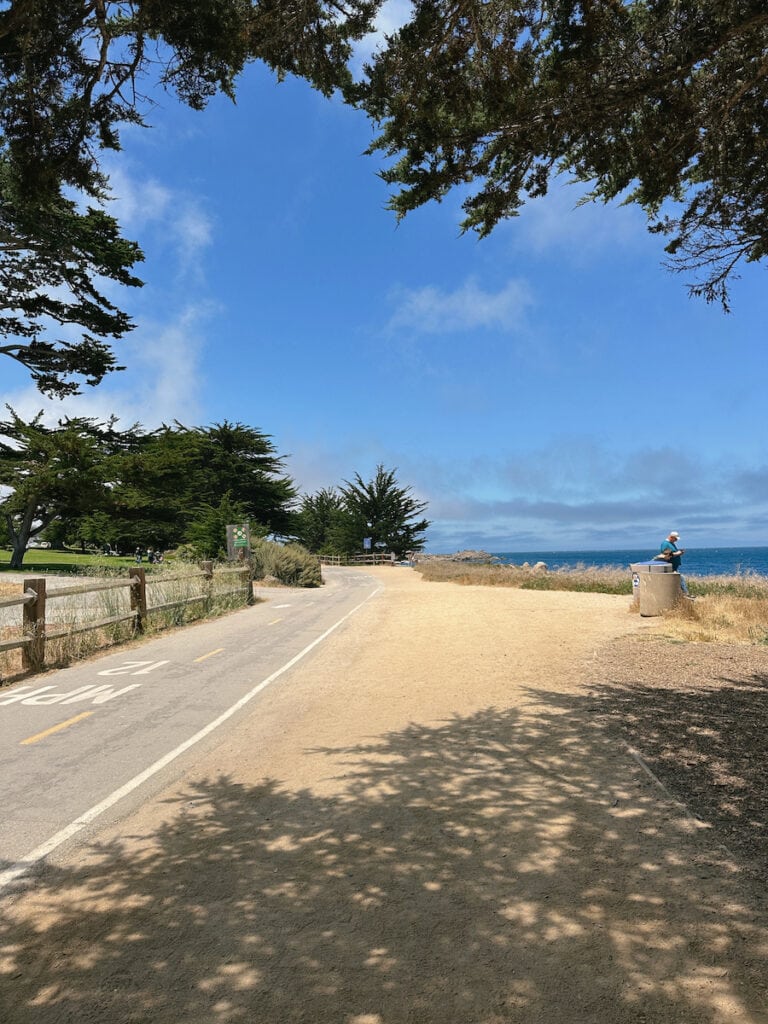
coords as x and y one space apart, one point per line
719 618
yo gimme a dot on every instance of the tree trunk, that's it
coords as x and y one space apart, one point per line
20 537
18 550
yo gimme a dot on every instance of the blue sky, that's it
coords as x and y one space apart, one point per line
551 387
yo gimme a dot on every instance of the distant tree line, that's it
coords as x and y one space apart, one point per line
85 483
338 521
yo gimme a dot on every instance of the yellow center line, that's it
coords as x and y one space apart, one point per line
210 654
274 621
56 728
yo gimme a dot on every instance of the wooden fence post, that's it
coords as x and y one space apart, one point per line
207 570
33 652
249 598
138 596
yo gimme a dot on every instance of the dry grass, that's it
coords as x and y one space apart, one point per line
728 609
714 618
10 661
185 600
587 579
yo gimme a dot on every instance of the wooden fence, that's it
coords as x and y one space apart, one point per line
374 558
35 597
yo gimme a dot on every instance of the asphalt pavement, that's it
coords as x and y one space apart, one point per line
84 744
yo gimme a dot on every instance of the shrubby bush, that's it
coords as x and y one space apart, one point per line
183 553
290 564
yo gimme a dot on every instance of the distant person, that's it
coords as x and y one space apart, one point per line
670 552
138 555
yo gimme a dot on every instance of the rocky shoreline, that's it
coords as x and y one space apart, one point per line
479 558
459 556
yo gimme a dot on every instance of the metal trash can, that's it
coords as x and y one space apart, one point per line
657 586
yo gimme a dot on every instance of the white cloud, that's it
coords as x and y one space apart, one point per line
556 223
158 216
162 381
430 310
136 203
571 493
170 365
193 228
317 463
576 493
565 495
162 353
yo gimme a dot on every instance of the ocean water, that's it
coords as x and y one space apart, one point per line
696 562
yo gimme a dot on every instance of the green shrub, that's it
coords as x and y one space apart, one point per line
290 564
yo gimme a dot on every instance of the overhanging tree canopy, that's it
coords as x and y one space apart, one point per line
72 72
663 103
52 255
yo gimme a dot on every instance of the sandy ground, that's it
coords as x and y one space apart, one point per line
423 823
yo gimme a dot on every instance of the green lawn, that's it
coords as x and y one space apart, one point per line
43 560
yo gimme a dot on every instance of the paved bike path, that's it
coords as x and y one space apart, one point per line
75 737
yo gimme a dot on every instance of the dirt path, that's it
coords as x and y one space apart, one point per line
424 824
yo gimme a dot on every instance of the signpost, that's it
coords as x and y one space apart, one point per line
238 542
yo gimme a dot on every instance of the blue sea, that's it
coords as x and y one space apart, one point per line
697 561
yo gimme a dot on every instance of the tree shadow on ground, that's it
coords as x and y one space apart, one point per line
704 736
502 867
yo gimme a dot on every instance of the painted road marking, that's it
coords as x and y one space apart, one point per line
274 621
56 728
282 606
127 668
210 654
41 696
46 848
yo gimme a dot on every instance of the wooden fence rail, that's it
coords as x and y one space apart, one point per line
374 558
36 595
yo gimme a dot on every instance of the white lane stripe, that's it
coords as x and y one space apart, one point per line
38 854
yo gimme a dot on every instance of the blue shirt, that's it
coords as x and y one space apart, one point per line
676 559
